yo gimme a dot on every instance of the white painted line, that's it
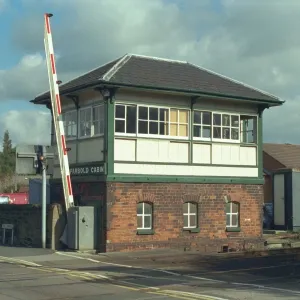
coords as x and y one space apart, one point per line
10 259
205 279
190 276
263 287
96 261
195 295
167 272
249 269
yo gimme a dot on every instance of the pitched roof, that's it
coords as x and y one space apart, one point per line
157 73
287 154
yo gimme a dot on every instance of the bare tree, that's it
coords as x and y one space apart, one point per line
11 183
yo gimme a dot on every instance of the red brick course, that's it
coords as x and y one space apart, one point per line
168 199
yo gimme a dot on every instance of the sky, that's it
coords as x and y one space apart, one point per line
253 41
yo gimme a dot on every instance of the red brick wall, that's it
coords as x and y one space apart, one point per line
168 199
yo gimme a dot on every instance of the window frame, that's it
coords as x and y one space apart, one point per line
143 215
230 213
64 114
196 138
222 140
255 128
91 108
153 136
188 214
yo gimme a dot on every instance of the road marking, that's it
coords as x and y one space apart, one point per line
264 287
197 277
195 295
248 269
89 276
117 265
21 261
96 261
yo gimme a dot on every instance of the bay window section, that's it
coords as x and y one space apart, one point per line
248 129
150 121
91 121
226 127
153 120
125 119
179 122
70 124
202 124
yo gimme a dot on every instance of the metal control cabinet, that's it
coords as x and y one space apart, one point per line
81 228
286 195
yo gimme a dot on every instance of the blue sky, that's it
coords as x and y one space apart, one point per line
252 41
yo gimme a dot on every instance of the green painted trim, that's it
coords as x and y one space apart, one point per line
145 232
183 179
248 145
191 128
153 103
87 164
125 137
284 171
44 99
210 142
110 141
87 138
192 230
101 178
260 145
233 229
275 102
180 164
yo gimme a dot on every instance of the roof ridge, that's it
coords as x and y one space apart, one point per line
159 58
116 67
84 74
236 81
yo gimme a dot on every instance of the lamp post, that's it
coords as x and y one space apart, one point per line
44 200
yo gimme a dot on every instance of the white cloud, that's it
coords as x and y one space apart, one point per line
250 41
27 127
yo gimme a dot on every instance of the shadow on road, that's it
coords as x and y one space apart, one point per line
279 273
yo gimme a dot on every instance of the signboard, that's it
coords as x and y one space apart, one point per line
27 158
7 226
88 170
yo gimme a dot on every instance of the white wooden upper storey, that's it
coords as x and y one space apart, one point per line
160 128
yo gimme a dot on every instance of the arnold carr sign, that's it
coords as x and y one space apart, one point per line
87 170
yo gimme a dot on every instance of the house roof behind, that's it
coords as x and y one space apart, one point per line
149 72
287 154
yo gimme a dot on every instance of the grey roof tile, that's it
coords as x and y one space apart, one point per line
165 74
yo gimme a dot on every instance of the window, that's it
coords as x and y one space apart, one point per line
148 120
190 215
226 126
179 122
70 124
91 121
249 129
98 120
232 215
144 215
202 124
125 119
153 120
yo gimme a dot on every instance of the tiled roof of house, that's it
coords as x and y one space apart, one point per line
286 154
157 73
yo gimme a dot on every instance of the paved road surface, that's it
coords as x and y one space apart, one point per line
37 274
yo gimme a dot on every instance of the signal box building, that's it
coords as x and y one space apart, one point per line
169 152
